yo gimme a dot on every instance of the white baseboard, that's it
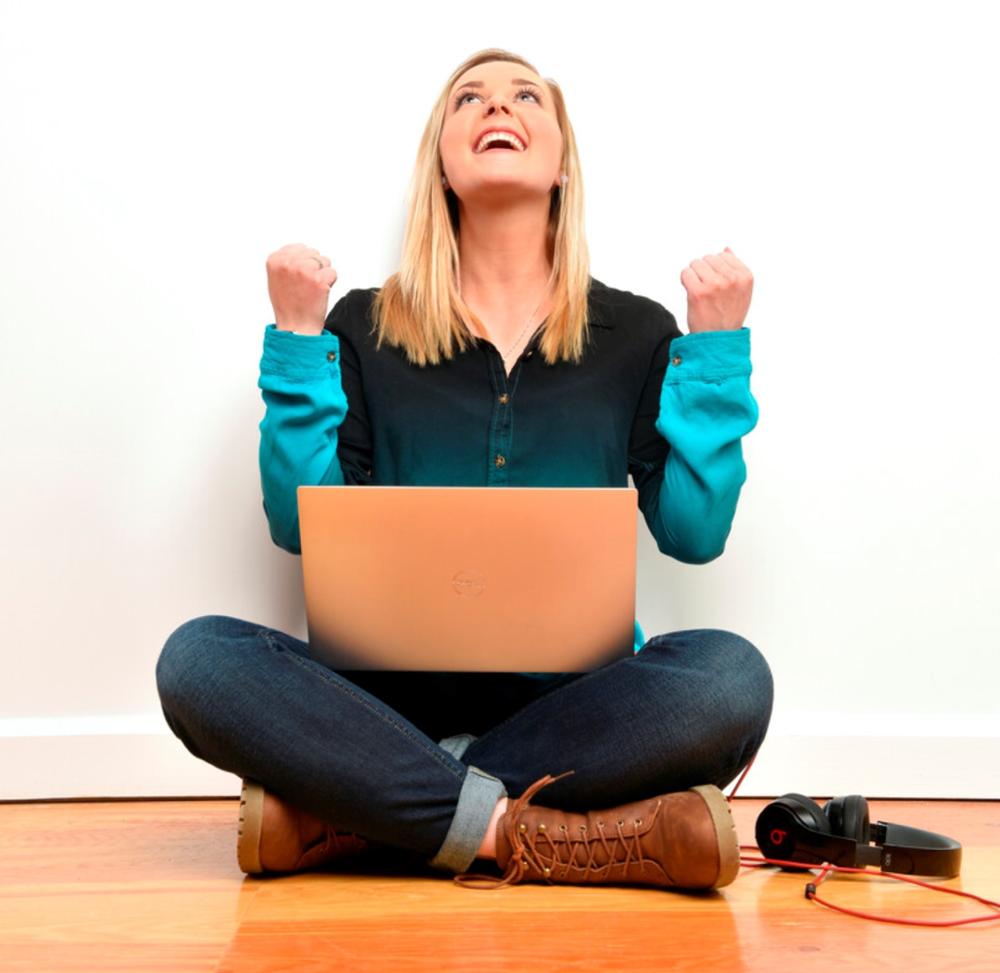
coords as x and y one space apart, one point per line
911 756
103 757
818 754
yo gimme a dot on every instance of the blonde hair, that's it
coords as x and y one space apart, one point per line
420 309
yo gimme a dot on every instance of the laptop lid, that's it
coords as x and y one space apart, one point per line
490 579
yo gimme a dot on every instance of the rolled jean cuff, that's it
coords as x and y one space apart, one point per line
476 803
457 745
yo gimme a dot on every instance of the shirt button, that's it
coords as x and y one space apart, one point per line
504 398
500 460
331 356
676 360
529 354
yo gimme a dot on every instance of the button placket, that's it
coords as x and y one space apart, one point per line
500 424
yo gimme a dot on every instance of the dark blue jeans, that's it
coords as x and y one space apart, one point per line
418 760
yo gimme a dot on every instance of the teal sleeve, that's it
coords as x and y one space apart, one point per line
706 408
304 406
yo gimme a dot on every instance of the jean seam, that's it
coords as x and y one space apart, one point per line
587 675
544 696
346 689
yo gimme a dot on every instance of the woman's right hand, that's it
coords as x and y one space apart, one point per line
299 287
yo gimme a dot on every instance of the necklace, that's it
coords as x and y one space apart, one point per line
525 328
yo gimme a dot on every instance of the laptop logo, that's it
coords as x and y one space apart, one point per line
468 583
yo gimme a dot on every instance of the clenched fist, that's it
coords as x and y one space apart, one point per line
299 279
718 289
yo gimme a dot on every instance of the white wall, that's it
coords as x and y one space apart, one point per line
154 156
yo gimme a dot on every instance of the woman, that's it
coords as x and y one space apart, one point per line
493 324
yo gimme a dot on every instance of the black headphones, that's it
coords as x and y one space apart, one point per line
794 828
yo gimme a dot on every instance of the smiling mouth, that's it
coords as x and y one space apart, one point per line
500 140
504 147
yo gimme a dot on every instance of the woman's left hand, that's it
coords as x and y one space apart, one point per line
718 289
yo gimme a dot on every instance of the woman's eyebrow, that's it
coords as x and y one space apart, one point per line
479 84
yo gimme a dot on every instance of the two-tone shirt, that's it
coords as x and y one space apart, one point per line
669 409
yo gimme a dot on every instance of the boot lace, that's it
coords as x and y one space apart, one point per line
526 853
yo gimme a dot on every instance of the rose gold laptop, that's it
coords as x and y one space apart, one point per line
494 579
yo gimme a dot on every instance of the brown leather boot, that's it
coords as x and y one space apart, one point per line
682 840
274 836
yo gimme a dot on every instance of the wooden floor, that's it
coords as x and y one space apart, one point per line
154 885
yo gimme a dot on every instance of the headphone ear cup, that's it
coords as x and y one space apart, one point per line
848 816
807 811
779 825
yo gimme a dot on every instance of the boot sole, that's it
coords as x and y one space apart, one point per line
725 831
251 827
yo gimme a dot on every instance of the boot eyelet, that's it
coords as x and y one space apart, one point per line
541 827
562 827
600 824
638 820
547 871
522 827
621 820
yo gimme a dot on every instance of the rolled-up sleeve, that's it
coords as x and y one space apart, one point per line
688 464
305 404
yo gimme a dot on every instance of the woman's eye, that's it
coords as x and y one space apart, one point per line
460 100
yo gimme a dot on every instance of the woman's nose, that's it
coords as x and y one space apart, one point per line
495 104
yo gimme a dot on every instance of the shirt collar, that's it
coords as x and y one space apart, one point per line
600 309
600 314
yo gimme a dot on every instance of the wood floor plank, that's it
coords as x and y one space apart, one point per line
154 886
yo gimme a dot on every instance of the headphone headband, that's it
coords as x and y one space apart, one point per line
913 851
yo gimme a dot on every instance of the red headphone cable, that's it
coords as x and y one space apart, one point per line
825 870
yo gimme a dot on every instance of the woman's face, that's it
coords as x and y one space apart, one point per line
501 94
